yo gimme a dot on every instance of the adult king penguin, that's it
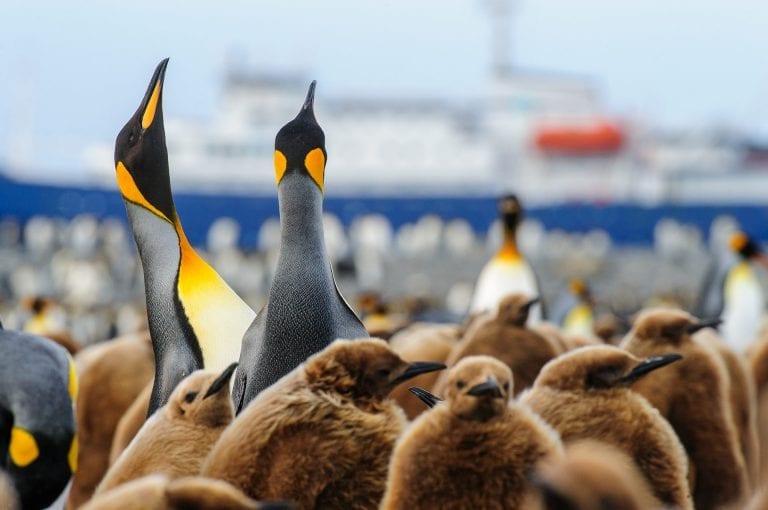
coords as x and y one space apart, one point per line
507 272
195 319
743 297
304 312
38 445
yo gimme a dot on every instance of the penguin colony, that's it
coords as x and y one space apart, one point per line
528 414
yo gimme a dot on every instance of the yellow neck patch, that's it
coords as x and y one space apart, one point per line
280 165
579 319
72 455
315 165
508 253
131 192
217 315
23 448
149 111
72 382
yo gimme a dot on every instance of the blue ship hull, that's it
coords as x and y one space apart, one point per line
627 224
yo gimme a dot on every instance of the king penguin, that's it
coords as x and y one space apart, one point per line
733 293
305 311
38 385
195 319
507 272
574 310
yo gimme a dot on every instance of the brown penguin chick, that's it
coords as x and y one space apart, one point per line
9 499
130 422
421 341
64 339
323 434
693 396
592 476
757 358
759 500
551 332
507 339
110 377
176 439
475 450
585 394
610 328
742 401
575 340
159 492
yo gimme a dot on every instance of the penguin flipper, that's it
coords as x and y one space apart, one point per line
251 347
352 319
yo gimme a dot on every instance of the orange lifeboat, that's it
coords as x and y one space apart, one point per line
583 140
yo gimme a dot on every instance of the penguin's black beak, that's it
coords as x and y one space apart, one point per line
308 108
489 388
152 98
527 306
309 102
417 368
221 381
647 366
706 323
428 398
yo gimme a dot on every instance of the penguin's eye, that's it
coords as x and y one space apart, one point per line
460 384
506 386
189 397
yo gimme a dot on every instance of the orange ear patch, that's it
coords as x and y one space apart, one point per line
132 193
280 165
315 164
23 447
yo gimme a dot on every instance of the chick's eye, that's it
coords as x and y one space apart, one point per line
506 386
189 397
460 384
383 372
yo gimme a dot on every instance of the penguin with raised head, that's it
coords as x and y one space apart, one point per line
323 434
693 395
38 444
195 319
305 311
507 272
474 451
176 440
585 394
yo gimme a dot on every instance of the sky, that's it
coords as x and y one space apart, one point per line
72 73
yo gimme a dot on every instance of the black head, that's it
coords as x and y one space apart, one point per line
744 245
141 157
300 145
40 465
510 211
